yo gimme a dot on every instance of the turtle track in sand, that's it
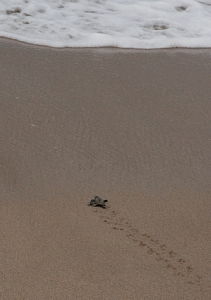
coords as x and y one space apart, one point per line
167 257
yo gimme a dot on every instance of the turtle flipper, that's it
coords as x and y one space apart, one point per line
92 202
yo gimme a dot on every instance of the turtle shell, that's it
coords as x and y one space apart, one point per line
97 201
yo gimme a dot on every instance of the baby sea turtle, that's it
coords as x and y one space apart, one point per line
97 201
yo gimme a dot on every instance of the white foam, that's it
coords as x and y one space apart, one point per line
118 23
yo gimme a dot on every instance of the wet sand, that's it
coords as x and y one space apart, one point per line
133 127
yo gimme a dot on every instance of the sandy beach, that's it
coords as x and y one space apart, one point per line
131 126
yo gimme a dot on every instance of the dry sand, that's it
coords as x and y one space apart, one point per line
130 126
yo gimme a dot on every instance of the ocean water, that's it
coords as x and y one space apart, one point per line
138 24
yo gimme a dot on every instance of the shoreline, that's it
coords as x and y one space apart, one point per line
182 49
130 126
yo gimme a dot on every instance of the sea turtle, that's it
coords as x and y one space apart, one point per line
97 201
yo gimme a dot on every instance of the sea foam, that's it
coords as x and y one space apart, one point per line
117 23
